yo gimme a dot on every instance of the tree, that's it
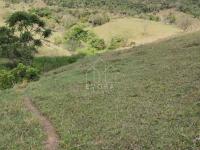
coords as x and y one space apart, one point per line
22 36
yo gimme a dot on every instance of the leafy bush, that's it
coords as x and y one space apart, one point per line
32 74
98 44
22 72
78 33
78 37
116 42
98 19
19 72
42 12
7 79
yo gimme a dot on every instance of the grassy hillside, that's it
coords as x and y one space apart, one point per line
146 97
150 99
18 129
135 30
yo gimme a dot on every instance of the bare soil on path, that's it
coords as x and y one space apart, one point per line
51 142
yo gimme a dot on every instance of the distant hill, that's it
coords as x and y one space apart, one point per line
130 6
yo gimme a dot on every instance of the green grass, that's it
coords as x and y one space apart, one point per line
154 102
46 64
18 129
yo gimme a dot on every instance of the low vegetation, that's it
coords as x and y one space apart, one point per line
78 38
144 97
45 64
150 100
117 42
19 130
98 19
8 78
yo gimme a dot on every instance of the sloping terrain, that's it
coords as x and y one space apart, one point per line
148 98
19 130
135 30
180 19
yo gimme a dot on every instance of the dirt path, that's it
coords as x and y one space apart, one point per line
51 142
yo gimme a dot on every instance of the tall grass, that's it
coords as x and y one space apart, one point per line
49 63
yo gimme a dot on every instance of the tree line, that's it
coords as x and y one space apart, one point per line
129 7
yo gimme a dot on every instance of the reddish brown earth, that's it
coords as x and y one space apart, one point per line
51 142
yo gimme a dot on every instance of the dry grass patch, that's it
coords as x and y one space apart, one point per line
135 30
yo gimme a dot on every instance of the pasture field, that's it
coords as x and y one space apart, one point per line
150 99
19 130
143 96
135 30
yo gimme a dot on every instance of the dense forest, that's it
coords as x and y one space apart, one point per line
130 7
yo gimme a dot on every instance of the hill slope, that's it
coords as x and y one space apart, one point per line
133 7
149 100
135 30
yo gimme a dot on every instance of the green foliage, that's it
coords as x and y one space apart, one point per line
21 37
32 74
129 7
132 7
42 12
153 103
77 33
98 44
19 72
116 42
45 64
22 72
98 19
7 79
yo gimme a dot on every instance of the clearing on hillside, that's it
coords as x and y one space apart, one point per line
135 30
